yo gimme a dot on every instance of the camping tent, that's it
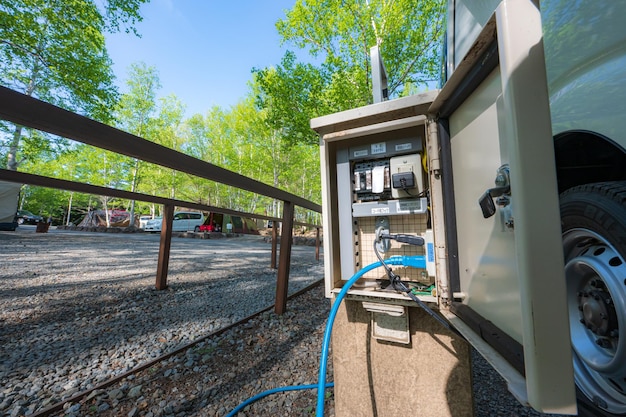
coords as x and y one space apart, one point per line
240 224
97 218
9 193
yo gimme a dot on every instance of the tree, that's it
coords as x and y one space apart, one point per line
168 127
290 94
63 206
135 114
55 50
408 33
210 139
340 33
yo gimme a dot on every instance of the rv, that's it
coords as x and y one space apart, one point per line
585 68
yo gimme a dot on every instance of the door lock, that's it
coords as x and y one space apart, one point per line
502 191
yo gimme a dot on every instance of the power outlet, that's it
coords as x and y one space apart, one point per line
404 184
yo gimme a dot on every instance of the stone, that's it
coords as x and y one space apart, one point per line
134 392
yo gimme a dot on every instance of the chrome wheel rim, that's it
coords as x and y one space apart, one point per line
596 282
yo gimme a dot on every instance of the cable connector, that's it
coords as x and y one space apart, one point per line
379 234
408 239
417 261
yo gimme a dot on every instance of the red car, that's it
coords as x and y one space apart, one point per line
210 227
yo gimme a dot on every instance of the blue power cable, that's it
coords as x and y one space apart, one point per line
274 391
412 261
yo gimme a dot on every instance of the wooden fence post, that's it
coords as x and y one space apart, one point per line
274 243
317 243
164 247
282 282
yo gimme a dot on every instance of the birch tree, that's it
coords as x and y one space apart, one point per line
55 50
339 34
136 113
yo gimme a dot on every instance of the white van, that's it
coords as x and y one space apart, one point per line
184 221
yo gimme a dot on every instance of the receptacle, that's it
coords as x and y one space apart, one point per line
403 184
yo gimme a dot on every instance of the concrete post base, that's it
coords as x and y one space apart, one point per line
430 376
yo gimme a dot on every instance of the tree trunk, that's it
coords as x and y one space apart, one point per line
173 185
69 209
12 162
107 214
131 218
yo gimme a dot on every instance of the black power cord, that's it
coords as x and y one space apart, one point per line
397 283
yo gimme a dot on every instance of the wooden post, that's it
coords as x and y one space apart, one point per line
282 282
274 243
317 243
164 247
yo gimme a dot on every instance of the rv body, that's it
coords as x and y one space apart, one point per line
585 66
514 175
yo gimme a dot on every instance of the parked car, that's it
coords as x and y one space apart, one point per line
214 227
26 217
153 225
143 220
184 221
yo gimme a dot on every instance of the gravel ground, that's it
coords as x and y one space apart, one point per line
77 309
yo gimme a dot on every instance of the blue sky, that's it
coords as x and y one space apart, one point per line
203 50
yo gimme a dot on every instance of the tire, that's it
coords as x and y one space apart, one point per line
593 220
196 229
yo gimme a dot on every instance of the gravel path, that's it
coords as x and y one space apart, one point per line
77 309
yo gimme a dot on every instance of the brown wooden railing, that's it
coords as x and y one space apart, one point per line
30 112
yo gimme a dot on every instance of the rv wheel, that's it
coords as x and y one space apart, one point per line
593 220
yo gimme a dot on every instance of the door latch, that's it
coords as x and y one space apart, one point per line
502 191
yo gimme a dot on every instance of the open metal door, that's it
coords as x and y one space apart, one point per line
501 209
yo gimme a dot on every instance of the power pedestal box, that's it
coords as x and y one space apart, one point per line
389 355
375 180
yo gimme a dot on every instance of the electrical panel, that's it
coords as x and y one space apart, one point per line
388 196
376 184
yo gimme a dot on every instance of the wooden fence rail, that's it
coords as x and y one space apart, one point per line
30 112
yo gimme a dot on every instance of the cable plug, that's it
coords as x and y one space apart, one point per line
416 261
379 234
409 239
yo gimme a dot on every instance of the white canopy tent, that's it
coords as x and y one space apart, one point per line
9 194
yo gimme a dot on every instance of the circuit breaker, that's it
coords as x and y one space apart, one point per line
375 182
